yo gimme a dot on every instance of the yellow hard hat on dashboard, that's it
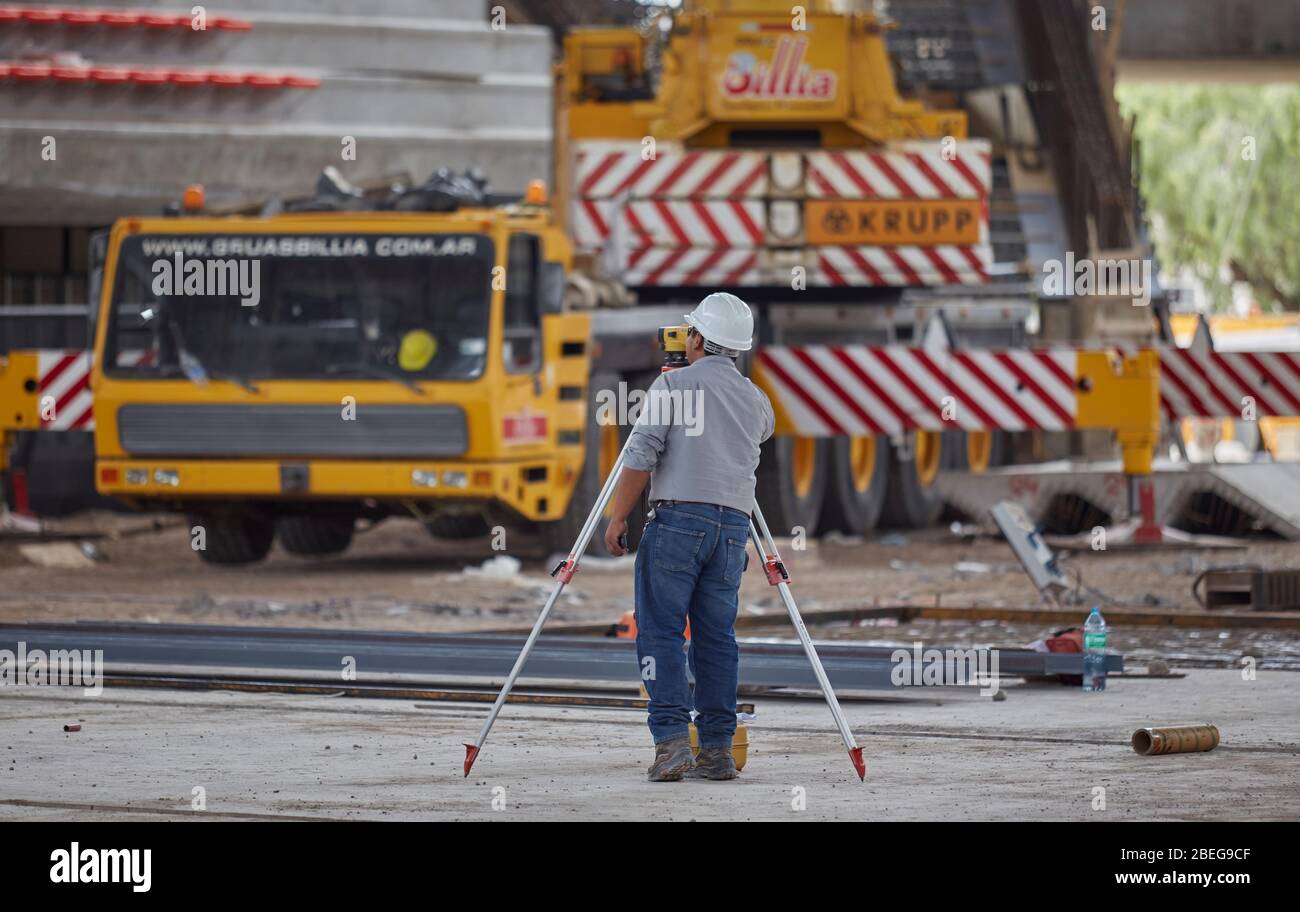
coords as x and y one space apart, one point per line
417 350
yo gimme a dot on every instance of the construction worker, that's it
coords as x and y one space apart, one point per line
696 442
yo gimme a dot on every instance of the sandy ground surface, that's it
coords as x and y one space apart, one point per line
397 577
938 756
1043 753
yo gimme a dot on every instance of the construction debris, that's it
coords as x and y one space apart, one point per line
1030 549
1248 587
1183 739
57 555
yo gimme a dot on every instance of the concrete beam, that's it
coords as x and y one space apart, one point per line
461 50
475 10
345 104
107 171
1199 30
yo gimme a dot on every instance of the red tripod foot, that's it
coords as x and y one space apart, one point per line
858 763
471 754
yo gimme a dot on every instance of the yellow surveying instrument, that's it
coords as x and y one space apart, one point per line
672 339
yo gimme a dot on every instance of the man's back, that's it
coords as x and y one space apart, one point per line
699 435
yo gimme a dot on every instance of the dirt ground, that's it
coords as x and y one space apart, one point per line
397 577
1044 753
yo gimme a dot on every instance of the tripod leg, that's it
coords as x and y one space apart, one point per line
563 573
777 576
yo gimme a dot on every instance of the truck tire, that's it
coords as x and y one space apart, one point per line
234 539
912 502
792 476
457 525
315 536
857 482
974 451
602 444
60 473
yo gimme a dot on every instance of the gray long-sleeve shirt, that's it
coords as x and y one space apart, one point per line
699 432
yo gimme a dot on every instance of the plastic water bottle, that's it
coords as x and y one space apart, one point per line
1094 651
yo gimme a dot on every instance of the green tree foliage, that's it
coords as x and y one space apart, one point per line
1221 180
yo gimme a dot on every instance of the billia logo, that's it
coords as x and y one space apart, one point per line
786 76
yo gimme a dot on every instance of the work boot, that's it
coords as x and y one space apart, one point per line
672 759
713 763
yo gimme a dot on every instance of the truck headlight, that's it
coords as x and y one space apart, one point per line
455 479
137 476
423 478
168 478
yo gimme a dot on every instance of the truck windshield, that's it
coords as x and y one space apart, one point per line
324 306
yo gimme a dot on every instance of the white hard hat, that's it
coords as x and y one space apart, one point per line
724 320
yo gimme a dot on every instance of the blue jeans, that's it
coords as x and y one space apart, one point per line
689 566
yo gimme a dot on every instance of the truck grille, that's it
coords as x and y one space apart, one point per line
416 431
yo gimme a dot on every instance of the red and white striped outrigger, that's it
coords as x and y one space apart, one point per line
1210 384
740 218
63 390
916 170
858 390
64 401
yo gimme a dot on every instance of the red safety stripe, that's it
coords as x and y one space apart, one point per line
35 15
82 382
918 161
666 264
594 177
968 362
831 272
56 371
869 382
976 184
808 400
893 176
695 275
666 217
954 391
750 226
901 375
873 274
734 277
845 399
1046 359
852 174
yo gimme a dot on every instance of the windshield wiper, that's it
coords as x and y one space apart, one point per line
194 369
375 370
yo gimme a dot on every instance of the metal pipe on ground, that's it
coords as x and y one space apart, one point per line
1182 739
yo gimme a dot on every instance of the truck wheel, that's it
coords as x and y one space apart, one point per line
237 539
911 502
314 536
457 525
858 478
792 477
974 451
602 444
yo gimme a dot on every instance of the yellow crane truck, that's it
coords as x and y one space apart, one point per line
290 374
765 147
